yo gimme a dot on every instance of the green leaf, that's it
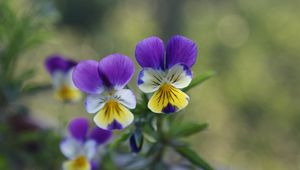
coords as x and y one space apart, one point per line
152 149
107 162
33 89
141 107
188 129
26 75
149 137
123 137
193 157
159 165
200 79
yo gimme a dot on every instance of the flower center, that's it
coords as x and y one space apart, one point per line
67 93
110 108
80 161
112 104
109 95
166 87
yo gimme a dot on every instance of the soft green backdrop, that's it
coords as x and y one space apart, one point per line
252 104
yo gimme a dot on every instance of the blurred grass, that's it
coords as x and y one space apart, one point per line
252 105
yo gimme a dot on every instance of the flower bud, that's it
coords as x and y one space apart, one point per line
136 141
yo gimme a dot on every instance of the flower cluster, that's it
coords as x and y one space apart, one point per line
166 71
80 147
163 73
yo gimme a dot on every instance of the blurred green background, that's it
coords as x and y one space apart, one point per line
252 104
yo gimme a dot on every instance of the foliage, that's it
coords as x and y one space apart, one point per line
81 15
23 143
17 35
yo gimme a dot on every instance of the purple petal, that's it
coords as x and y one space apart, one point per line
115 125
169 109
94 165
150 53
58 63
100 135
86 77
116 70
78 128
181 50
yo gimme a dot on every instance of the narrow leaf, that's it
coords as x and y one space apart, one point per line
33 89
26 75
149 138
193 157
107 162
123 137
188 129
200 79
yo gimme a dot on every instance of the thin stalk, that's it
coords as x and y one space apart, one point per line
61 118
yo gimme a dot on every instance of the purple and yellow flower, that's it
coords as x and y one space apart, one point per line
61 70
165 73
104 81
81 146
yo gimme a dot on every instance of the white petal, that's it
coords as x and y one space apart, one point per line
70 147
94 102
180 76
58 78
68 79
89 149
149 79
125 97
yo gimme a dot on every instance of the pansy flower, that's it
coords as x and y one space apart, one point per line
61 70
104 81
80 147
165 73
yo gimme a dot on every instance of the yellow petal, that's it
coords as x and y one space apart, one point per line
168 99
67 93
79 163
113 116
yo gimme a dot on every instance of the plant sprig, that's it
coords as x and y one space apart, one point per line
162 132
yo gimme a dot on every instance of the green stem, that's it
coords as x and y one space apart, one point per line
158 157
61 118
160 124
